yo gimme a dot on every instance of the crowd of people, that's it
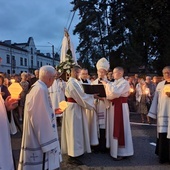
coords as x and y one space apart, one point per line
90 123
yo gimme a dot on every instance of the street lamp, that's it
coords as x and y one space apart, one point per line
52 52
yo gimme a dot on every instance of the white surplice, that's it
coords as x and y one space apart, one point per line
116 89
57 93
97 118
75 134
92 123
160 109
39 131
6 160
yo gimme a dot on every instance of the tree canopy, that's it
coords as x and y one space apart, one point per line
129 33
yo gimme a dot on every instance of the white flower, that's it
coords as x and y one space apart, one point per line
68 71
59 70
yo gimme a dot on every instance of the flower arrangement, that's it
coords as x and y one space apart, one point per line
67 64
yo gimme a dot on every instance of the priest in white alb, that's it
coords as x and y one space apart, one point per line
6 158
57 94
160 110
119 138
97 120
75 134
40 147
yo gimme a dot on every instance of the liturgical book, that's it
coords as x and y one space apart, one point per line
94 89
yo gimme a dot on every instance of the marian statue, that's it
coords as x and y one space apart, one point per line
67 57
67 45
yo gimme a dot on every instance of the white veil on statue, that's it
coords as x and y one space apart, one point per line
67 44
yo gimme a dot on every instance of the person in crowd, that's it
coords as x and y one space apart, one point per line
126 78
110 76
75 135
119 137
150 85
98 119
57 94
155 80
25 86
6 157
84 76
17 78
142 99
6 82
160 110
34 78
3 89
131 97
135 80
40 147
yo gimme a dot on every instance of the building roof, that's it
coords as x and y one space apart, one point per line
12 46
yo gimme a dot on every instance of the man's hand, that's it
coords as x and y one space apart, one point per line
10 103
97 97
58 111
104 82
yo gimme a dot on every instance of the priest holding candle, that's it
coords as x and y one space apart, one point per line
160 110
40 143
6 160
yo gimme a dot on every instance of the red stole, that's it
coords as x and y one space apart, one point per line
118 132
71 100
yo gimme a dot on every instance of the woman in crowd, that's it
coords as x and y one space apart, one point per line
142 99
25 85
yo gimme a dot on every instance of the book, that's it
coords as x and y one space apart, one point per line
94 89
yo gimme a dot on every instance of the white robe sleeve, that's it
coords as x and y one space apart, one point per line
154 106
83 99
114 90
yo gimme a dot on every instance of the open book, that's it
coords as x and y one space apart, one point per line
94 89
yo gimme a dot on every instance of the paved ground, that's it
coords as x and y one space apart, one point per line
144 138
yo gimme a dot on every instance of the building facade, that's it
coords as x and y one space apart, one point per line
23 57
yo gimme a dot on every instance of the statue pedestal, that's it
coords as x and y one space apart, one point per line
65 76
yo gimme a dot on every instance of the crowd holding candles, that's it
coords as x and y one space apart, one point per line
89 123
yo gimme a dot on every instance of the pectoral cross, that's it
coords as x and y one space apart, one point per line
33 157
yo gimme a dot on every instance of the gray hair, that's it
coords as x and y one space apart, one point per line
46 71
166 67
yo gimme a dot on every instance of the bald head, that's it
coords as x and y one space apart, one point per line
118 73
75 71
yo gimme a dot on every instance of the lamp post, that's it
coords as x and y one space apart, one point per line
52 52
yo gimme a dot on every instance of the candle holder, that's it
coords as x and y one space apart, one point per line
15 89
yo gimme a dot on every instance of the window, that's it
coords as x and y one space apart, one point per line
8 71
32 63
31 51
21 61
41 63
38 64
25 62
8 59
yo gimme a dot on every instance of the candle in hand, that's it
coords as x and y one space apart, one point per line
15 89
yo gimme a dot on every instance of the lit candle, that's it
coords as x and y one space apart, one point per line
12 80
62 106
167 88
147 91
131 90
15 89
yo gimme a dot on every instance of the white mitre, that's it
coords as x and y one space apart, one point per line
103 64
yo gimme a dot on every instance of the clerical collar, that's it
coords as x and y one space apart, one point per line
84 81
166 82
